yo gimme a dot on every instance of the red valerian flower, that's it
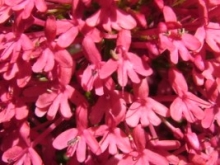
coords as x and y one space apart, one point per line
113 138
212 113
21 155
50 57
13 50
110 17
176 41
186 104
22 151
10 108
77 139
141 155
26 6
210 35
56 99
126 63
91 77
110 102
144 109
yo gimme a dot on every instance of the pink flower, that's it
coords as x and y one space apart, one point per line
186 104
212 113
77 139
26 6
51 58
144 109
22 151
126 64
20 155
113 139
69 30
13 50
141 155
210 35
109 103
91 77
56 99
110 17
177 42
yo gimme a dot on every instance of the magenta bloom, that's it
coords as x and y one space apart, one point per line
110 17
91 77
186 104
144 109
113 139
141 155
109 103
78 139
179 43
56 99
126 64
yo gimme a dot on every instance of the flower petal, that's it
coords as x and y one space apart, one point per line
61 141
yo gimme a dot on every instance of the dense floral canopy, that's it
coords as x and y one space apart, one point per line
103 82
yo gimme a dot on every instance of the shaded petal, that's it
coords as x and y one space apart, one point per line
35 158
158 107
81 150
197 112
92 142
52 111
65 39
40 112
174 56
183 52
94 19
124 39
98 110
50 28
122 75
5 13
133 76
169 14
209 118
139 137
122 140
191 42
50 60
27 10
24 75
153 118
65 107
40 5
154 158
105 141
11 153
138 65
144 116
112 145
61 141
40 63
202 103
133 114
178 81
91 51
45 100
88 78
108 68
176 109
188 115
64 59
141 89
125 20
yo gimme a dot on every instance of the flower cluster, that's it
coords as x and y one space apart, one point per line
103 82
